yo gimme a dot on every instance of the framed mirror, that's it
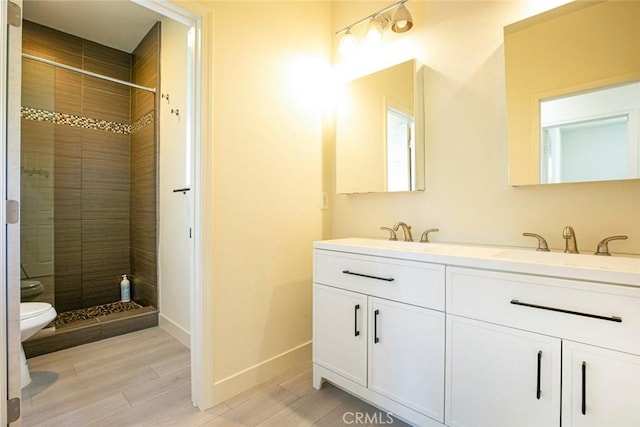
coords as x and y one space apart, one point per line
380 131
572 79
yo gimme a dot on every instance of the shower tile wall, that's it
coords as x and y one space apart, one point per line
144 166
93 164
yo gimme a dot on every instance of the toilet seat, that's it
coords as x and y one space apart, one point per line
29 310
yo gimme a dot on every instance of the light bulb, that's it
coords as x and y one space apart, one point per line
348 44
373 35
402 20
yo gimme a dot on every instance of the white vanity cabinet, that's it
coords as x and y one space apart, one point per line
468 336
378 332
499 376
601 387
511 337
340 332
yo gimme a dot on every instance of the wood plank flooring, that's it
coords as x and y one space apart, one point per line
143 379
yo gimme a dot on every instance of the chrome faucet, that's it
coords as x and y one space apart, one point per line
406 231
570 244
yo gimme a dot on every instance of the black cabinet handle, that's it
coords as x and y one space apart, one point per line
355 319
368 276
584 388
563 310
538 391
375 326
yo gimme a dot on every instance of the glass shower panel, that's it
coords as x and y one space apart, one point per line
37 183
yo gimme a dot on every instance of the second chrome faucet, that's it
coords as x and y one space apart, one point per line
406 232
570 243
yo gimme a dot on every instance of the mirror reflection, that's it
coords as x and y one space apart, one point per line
591 136
380 132
572 87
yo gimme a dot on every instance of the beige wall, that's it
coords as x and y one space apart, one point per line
467 195
267 148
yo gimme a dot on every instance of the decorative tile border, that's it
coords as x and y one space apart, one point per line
143 121
29 113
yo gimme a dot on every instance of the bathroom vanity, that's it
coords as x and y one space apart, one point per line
477 336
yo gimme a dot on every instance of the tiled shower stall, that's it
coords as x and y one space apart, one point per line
89 182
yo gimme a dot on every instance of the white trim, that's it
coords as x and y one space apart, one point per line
175 330
3 235
263 371
170 10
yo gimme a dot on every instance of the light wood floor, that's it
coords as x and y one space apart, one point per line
143 379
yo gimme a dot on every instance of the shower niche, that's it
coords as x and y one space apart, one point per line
89 155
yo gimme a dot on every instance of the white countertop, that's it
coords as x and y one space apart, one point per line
621 270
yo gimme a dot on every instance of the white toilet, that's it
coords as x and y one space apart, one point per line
33 317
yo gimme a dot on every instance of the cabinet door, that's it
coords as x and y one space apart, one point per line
340 331
600 387
406 355
499 376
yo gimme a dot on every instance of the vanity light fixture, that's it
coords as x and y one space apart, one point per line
378 22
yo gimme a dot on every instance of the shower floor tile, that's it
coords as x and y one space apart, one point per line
68 317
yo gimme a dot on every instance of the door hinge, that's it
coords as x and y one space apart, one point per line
13 211
14 14
13 410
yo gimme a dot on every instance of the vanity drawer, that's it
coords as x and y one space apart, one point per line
411 282
600 314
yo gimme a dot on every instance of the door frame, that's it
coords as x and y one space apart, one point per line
10 308
199 99
3 220
200 18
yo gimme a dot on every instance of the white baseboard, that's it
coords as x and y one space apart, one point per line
175 330
261 372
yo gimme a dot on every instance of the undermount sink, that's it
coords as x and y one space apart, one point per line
616 263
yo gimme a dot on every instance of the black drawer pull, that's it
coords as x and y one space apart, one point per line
538 391
584 388
386 279
355 319
375 326
562 310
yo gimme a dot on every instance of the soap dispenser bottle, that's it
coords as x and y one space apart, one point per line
125 289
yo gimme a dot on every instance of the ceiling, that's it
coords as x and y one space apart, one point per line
120 24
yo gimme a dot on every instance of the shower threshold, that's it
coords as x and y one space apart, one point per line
82 326
68 317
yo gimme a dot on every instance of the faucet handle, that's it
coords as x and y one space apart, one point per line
542 243
425 236
603 246
392 233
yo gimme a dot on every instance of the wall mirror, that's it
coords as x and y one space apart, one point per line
572 79
380 131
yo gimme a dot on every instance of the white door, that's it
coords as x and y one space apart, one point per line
175 207
340 332
10 320
498 376
600 387
406 355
